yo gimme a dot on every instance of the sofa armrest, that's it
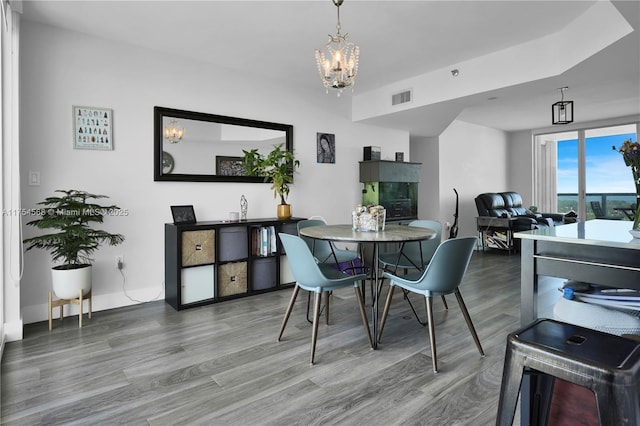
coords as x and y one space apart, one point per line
534 216
556 217
523 223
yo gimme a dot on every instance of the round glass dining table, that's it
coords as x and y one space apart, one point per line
391 234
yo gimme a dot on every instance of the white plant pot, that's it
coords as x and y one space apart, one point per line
68 282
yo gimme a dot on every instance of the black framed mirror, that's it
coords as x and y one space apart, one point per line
198 147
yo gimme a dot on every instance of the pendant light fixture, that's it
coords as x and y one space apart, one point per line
562 112
173 132
338 63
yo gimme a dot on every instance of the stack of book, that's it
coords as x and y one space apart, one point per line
619 298
264 241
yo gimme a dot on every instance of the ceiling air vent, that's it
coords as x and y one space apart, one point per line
401 98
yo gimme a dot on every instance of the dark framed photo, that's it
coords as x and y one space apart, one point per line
229 166
326 147
183 214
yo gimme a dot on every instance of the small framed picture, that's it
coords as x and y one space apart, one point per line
326 147
92 128
229 166
183 214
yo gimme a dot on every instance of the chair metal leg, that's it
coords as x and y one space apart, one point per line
445 302
326 304
310 320
432 333
467 318
415 313
510 387
316 320
287 313
363 315
385 312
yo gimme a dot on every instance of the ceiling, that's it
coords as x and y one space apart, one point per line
398 40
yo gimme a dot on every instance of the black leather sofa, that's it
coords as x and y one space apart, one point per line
509 205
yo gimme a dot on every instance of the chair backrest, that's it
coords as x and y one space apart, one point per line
490 204
320 249
448 265
303 265
412 249
513 203
597 209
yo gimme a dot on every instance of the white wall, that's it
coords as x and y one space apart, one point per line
425 151
60 69
520 166
473 159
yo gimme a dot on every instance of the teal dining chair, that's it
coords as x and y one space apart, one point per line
414 255
442 276
325 251
317 278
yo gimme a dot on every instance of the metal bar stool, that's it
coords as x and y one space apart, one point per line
607 364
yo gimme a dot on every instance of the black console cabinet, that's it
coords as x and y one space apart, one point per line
208 262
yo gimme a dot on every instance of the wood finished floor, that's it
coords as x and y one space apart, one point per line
221 364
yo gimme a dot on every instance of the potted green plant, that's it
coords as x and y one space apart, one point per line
631 154
277 167
74 241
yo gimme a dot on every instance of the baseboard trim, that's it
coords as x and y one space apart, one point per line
37 313
12 332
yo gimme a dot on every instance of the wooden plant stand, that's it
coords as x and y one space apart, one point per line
62 302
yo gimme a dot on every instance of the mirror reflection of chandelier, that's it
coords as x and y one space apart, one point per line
173 133
338 63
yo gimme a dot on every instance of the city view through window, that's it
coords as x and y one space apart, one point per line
609 184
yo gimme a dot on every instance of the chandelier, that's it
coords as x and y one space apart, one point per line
173 133
562 112
338 63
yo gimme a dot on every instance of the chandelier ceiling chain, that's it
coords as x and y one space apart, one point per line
338 64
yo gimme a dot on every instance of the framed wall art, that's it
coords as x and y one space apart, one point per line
229 166
92 128
326 147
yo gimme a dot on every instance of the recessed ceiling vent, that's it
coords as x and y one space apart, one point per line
401 98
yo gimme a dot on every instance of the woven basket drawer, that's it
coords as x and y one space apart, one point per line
198 247
232 279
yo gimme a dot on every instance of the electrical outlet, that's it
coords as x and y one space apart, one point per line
119 262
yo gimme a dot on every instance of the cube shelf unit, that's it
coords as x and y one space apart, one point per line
209 262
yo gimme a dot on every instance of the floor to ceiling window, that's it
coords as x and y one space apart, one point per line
580 171
609 185
11 250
